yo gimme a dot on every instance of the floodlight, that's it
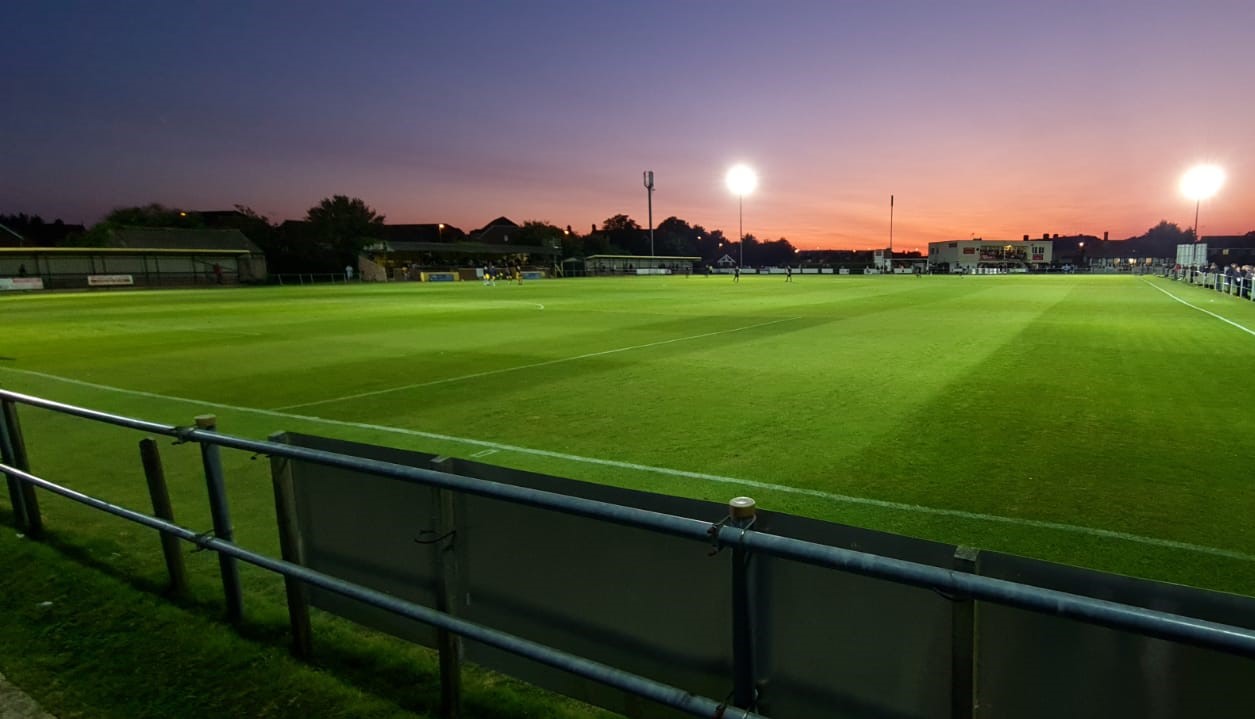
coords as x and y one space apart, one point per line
741 180
1202 181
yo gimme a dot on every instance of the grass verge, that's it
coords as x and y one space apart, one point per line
86 641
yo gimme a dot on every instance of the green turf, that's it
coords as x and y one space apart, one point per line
974 410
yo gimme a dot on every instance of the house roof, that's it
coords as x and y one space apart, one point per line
496 232
499 222
171 238
1228 241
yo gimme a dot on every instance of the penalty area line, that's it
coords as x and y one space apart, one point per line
666 471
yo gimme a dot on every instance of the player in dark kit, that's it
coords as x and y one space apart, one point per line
736 273
788 273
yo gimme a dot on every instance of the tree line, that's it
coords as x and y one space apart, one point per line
338 228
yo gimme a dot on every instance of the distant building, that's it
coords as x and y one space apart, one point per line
143 257
447 247
1230 249
496 232
1000 255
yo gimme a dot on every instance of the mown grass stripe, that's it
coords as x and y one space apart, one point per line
819 494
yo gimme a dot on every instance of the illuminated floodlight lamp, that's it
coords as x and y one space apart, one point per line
1199 183
741 181
1202 182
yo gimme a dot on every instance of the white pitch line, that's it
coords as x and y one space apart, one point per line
489 373
784 489
1226 320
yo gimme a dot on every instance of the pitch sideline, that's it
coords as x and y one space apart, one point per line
1226 320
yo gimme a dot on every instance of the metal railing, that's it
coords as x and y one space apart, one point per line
15 467
313 278
1238 286
733 533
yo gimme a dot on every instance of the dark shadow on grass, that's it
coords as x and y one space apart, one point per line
395 671
82 555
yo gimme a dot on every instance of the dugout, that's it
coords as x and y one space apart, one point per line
597 265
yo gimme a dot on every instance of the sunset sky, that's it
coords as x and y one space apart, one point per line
992 119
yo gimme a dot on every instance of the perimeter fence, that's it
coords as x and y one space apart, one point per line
613 595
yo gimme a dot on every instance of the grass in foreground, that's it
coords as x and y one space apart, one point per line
1011 404
90 642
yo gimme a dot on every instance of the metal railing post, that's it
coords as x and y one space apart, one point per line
25 502
291 550
160 494
221 514
445 546
963 642
15 484
741 513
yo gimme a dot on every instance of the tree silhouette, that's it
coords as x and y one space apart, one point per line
676 237
619 223
623 235
342 226
153 215
150 215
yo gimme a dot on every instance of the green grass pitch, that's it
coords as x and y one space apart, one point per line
1100 421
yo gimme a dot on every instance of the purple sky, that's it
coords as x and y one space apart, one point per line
993 118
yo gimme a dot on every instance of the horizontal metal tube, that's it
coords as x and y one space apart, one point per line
1197 632
665 523
107 418
610 676
1226 638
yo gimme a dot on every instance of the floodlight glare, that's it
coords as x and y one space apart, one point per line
1202 181
741 180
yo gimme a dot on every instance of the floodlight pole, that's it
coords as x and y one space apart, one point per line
649 193
1197 202
891 232
740 226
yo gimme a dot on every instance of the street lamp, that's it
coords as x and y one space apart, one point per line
1200 183
741 181
440 232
